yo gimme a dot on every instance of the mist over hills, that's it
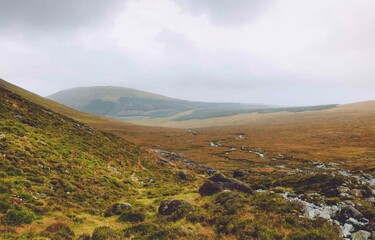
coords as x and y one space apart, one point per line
126 103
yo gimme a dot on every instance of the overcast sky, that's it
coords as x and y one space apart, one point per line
284 52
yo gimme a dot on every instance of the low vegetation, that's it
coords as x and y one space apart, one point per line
61 179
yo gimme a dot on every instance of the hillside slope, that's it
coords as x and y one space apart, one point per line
127 103
61 179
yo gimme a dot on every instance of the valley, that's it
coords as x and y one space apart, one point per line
302 175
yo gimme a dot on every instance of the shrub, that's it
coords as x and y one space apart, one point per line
132 216
58 231
142 229
17 217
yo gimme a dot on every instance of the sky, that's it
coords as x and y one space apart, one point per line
279 52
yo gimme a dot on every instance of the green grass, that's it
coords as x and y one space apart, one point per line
68 175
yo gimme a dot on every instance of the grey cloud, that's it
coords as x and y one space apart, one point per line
54 15
227 12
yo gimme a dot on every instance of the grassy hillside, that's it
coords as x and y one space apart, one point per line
61 179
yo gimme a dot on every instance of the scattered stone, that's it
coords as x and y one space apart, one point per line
361 235
193 132
215 144
169 207
2 137
348 211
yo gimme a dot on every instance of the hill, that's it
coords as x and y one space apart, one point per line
61 179
130 104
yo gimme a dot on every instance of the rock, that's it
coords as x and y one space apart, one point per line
210 187
356 193
343 189
347 229
117 209
182 176
210 171
218 182
3 137
361 235
371 200
240 173
347 212
169 207
292 195
215 144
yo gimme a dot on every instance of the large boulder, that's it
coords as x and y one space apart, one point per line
219 182
169 207
210 187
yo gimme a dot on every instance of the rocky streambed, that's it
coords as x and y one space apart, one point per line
342 197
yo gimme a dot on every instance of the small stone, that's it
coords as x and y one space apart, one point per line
2 137
356 193
361 235
347 229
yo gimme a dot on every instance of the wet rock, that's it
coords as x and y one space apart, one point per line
361 235
169 207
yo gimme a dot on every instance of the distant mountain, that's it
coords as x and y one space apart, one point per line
132 104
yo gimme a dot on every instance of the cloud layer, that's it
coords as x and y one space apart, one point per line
277 52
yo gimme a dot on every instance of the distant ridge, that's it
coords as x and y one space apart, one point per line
132 104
